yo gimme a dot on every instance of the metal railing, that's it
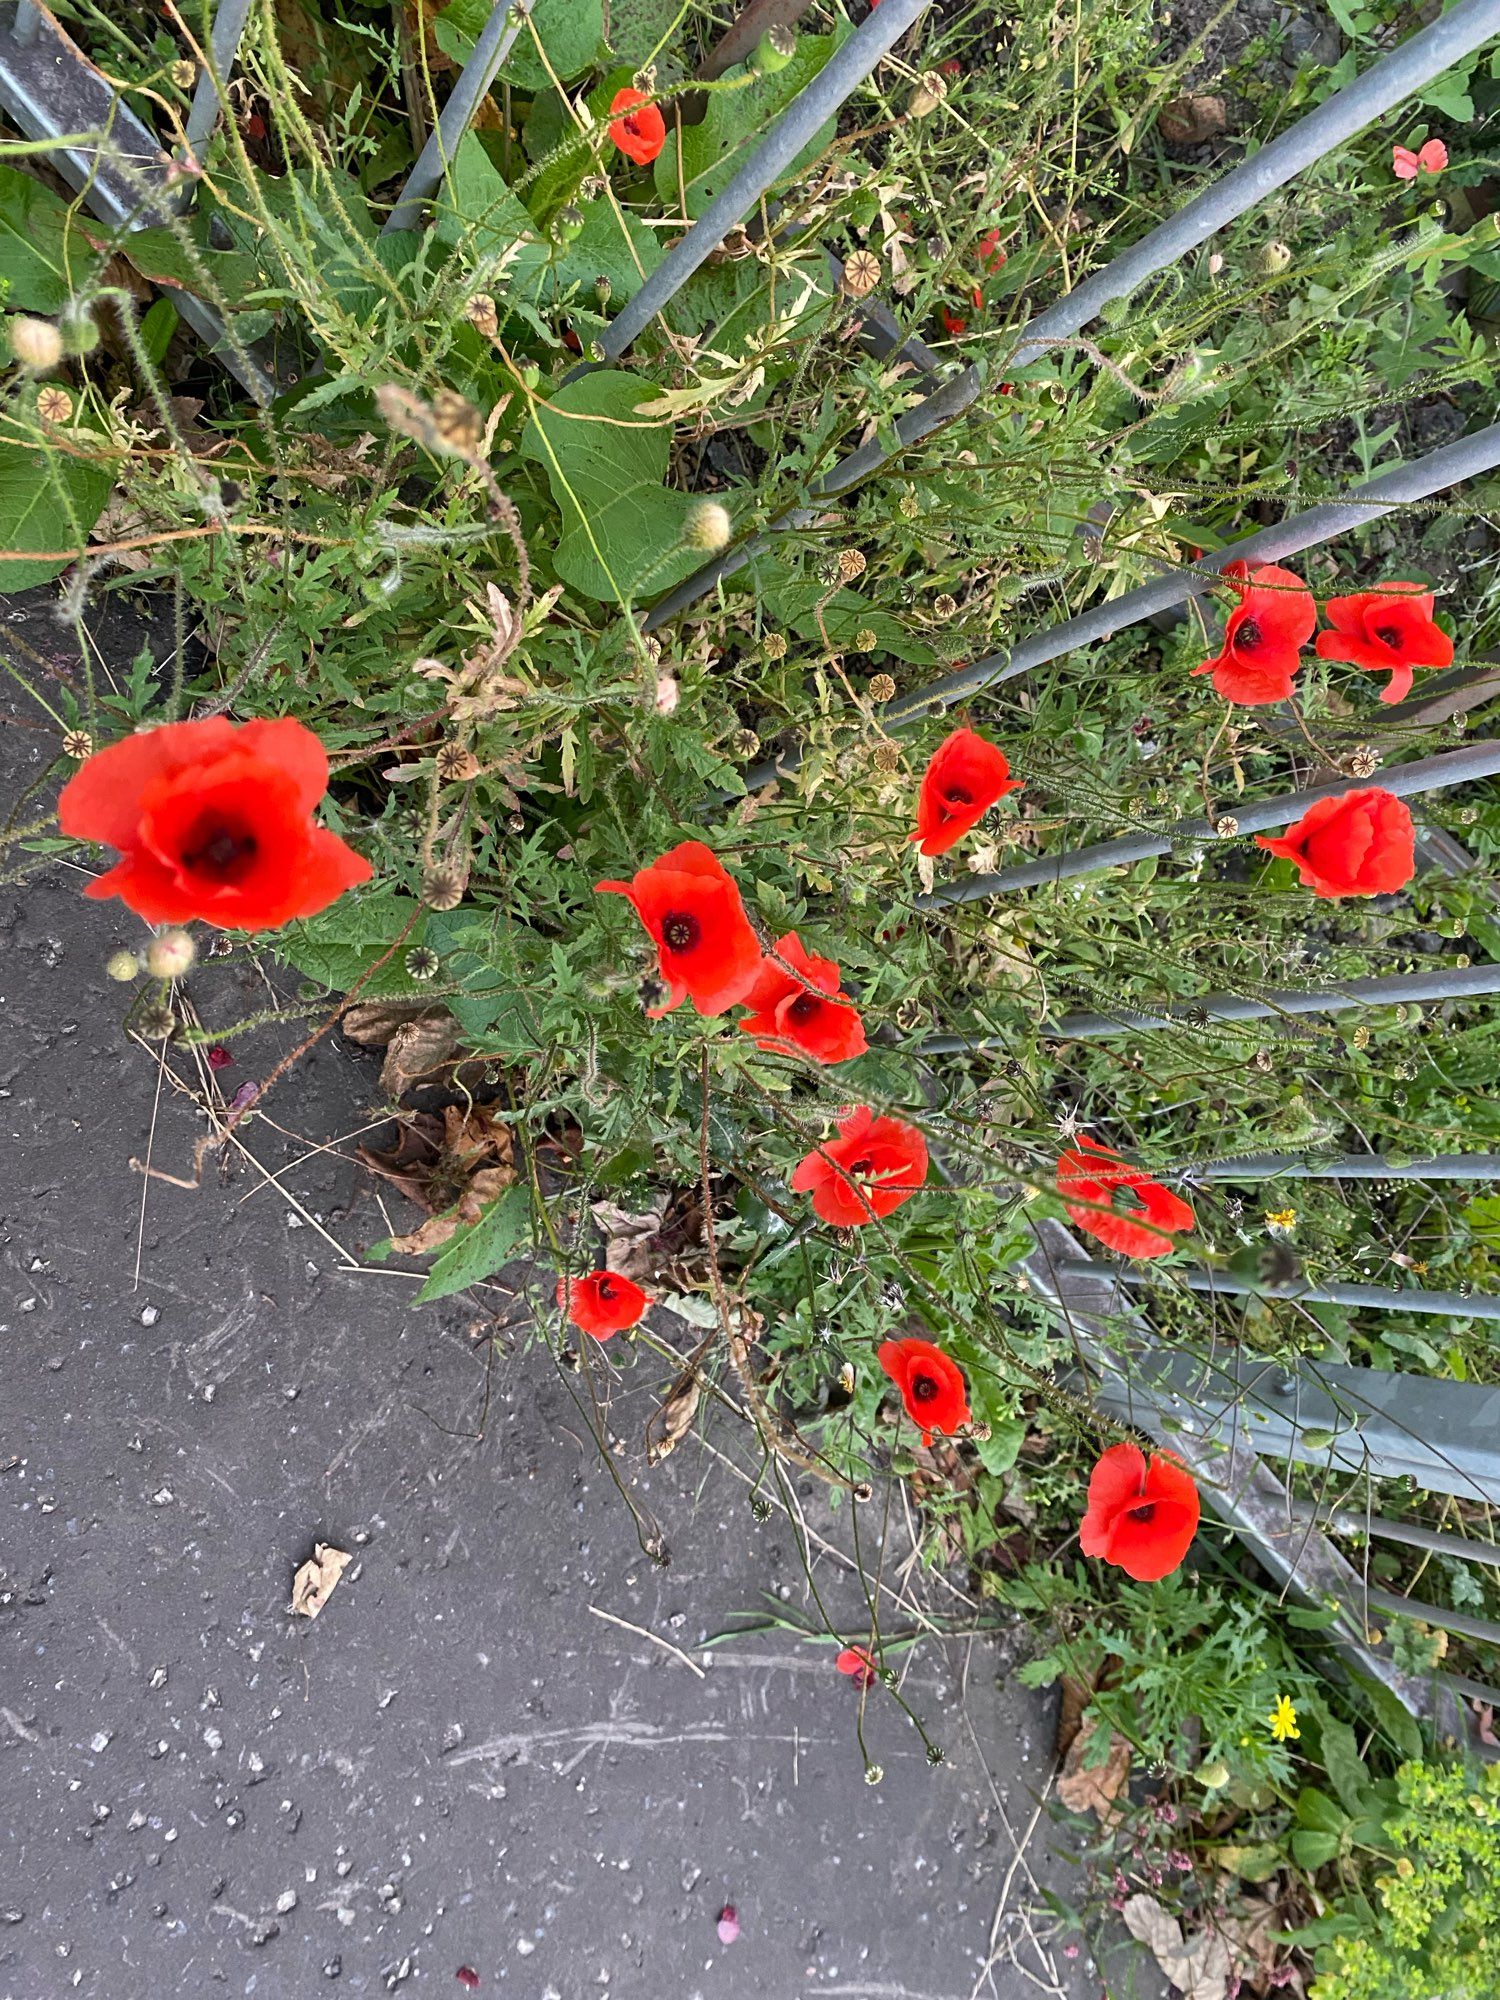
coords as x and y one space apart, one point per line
1223 1419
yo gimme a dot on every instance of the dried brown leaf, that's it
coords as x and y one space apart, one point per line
1094 1788
313 1584
1076 1696
419 1052
372 1023
668 1426
1199 1967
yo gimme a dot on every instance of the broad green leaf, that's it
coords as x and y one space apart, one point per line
1343 1763
1252 1864
622 528
157 255
638 28
569 30
47 501
37 250
157 327
1314 1850
480 1249
339 945
1316 1810
734 124
998 1452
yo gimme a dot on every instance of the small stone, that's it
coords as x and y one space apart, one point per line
286 1901
99 1742
525 1946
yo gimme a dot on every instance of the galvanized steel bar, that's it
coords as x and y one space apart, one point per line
1383 1298
495 41
1459 982
1385 84
223 46
49 88
1426 774
1434 1614
1464 1547
1138 1387
847 67
1348 1167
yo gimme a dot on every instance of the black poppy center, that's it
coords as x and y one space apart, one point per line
860 1166
680 930
223 850
803 1007
1388 636
923 1389
1249 635
955 795
606 1289
1145 1513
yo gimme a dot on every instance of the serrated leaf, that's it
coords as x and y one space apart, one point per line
478 1251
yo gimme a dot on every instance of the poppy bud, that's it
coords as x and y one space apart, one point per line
929 93
707 526
170 954
1213 1774
774 50
667 694
123 966
603 289
36 343
1271 261
79 333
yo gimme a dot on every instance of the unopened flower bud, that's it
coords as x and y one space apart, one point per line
568 223
36 343
774 50
123 966
929 93
668 693
170 954
707 526
80 334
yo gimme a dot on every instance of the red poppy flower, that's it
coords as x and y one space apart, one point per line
932 1386
869 1169
691 907
1140 1518
602 1303
1431 159
1386 629
965 778
991 256
1360 843
807 1014
214 820
856 1661
637 126
1091 1174
953 326
1263 635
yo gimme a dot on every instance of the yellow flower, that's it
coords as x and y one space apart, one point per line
1283 1719
1281 1218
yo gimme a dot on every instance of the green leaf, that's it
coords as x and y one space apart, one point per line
622 529
1483 1217
481 1248
1395 1718
734 124
793 601
46 502
637 28
36 253
569 30
1317 1811
157 327
157 255
998 1451
1343 1763
1252 1864
1039 1673
339 945
1314 1850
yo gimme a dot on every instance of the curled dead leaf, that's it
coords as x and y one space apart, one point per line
1198 1967
668 1426
1094 1787
313 1584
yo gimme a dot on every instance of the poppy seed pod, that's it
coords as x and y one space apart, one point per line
929 93
170 954
36 343
1272 260
707 526
774 50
